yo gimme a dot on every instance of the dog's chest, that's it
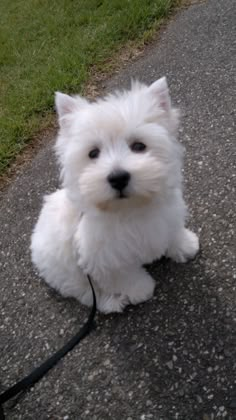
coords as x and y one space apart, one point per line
105 242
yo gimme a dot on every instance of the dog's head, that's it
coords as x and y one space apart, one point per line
119 151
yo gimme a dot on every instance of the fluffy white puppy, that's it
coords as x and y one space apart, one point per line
121 204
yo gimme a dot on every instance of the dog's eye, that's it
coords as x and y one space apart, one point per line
94 153
138 147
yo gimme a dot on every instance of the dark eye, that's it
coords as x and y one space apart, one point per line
138 147
94 153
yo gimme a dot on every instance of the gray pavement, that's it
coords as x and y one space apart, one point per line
175 356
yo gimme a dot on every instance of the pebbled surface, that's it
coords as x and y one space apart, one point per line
175 356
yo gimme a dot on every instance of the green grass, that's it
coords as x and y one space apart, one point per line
49 45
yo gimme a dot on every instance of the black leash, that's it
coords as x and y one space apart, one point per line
27 382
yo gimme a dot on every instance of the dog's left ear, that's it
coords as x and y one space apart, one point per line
161 91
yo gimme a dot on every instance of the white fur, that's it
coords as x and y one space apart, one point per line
85 227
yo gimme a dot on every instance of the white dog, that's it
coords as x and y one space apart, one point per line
121 204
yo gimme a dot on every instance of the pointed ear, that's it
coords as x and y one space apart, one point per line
65 104
161 91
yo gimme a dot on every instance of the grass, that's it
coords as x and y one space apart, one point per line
49 45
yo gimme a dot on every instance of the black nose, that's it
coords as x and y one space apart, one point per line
119 180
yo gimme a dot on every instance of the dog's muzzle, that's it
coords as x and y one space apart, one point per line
119 181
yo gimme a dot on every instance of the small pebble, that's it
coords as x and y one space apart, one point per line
170 364
199 399
181 392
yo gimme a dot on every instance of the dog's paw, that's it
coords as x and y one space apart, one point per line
186 248
112 303
141 292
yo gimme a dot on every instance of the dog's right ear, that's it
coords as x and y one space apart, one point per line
67 105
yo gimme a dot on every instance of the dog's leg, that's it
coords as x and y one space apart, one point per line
184 246
111 303
132 286
136 284
139 285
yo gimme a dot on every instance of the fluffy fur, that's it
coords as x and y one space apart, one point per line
90 227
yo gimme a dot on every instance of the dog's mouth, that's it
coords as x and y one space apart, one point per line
121 195
128 202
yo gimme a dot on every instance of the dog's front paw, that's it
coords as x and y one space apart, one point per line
112 303
142 291
186 247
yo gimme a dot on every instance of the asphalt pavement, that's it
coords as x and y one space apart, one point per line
175 356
